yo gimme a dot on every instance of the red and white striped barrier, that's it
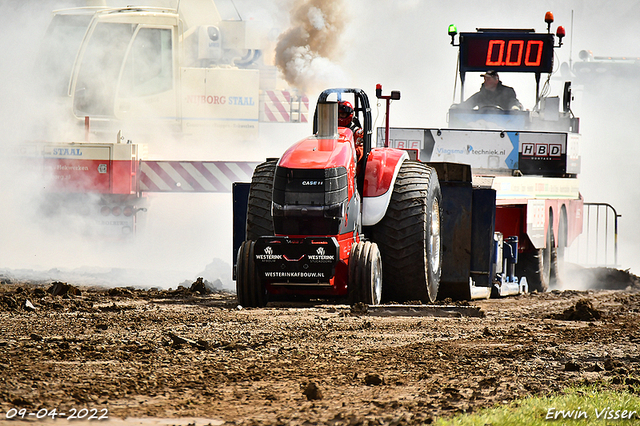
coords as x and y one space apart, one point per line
193 176
280 106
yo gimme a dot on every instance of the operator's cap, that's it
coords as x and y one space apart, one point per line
490 73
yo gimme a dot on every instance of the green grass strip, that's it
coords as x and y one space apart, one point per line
576 406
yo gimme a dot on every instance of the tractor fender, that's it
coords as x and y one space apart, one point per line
380 175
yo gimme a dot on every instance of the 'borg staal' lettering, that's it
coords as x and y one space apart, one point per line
220 100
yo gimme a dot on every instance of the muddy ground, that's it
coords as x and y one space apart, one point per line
193 353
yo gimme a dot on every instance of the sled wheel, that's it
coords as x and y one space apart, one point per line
408 236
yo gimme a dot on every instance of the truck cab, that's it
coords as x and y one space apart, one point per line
199 66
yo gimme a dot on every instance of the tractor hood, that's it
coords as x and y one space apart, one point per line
321 153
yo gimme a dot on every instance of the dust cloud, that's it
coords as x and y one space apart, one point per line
181 236
403 45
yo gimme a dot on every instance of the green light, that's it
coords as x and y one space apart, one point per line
452 30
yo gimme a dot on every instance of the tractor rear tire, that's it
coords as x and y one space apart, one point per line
408 236
259 219
365 274
250 290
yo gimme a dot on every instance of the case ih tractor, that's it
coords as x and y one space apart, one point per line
321 222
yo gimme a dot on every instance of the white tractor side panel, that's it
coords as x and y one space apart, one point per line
374 208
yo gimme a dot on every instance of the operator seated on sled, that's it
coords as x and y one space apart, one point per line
493 94
347 118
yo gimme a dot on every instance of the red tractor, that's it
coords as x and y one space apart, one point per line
325 221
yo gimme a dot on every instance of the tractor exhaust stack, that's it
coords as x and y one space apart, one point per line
327 120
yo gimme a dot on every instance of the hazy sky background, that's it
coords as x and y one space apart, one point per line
403 45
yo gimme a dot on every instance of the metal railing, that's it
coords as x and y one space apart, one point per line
597 246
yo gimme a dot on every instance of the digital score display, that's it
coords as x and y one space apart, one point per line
506 51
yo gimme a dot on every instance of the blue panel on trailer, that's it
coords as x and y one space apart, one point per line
240 201
456 232
455 229
482 230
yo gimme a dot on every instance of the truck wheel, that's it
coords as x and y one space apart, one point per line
531 266
259 219
536 265
365 274
250 290
409 236
557 253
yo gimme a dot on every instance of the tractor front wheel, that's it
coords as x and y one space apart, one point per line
365 273
250 290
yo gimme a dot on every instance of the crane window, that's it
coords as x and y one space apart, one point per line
99 69
58 51
148 68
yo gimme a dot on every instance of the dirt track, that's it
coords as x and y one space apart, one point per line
183 353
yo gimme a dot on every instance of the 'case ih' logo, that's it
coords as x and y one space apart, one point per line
312 182
541 149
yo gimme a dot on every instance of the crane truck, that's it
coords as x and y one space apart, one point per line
484 207
183 83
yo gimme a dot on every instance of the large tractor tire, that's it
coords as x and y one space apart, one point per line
409 236
259 219
250 290
365 274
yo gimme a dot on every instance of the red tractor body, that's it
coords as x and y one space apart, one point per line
307 213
